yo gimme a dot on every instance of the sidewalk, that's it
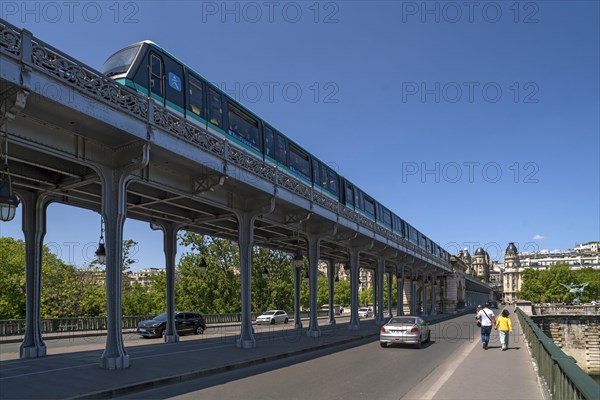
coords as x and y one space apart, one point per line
77 375
490 374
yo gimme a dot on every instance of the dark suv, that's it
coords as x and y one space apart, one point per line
185 322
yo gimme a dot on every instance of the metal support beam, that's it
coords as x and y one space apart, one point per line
246 220
331 275
170 248
34 230
114 211
315 233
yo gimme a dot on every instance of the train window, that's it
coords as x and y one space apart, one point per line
281 149
243 127
215 108
269 137
119 62
196 102
156 75
299 161
349 195
325 177
333 182
369 206
387 218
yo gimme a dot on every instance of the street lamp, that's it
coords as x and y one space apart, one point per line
101 251
8 200
298 259
202 265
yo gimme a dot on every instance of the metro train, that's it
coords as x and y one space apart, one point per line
152 71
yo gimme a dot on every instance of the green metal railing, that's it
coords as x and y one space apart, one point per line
564 379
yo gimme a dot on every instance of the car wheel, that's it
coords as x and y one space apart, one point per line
199 330
272 321
383 344
428 340
286 321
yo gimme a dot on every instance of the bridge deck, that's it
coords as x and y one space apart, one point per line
474 373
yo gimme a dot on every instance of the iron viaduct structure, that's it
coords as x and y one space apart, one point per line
95 144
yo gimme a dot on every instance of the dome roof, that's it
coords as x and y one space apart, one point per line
511 250
480 251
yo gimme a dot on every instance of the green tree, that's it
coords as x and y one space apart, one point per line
542 286
12 278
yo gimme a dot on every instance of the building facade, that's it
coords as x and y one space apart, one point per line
582 256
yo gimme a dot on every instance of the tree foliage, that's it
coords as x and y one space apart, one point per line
544 286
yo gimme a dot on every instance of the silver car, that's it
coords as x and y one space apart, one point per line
365 312
405 330
272 317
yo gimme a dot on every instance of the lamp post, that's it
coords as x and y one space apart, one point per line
101 251
202 265
8 200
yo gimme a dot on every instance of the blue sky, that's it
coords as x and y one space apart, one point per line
478 122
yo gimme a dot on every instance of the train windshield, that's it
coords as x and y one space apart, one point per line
119 62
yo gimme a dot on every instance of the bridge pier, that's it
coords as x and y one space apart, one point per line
379 287
331 274
314 237
424 280
34 230
246 218
170 248
400 291
413 292
115 180
433 294
389 289
354 253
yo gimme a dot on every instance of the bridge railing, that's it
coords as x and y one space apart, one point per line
564 379
16 327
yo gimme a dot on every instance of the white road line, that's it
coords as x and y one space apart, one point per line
429 386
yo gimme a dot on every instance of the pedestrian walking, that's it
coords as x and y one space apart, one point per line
486 320
504 328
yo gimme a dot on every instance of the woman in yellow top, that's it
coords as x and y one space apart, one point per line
504 327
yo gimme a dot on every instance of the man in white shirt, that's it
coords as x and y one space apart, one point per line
487 319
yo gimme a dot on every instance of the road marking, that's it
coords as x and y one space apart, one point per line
429 386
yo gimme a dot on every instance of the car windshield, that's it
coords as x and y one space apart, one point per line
161 317
269 313
401 321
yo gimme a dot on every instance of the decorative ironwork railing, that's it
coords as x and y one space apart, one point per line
18 43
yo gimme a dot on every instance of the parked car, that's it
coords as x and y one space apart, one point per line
185 322
365 312
493 304
405 330
272 317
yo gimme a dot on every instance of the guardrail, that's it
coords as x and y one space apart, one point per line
564 379
16 327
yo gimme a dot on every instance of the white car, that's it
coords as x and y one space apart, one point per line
272 317
365 312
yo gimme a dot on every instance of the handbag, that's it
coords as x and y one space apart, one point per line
479 324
